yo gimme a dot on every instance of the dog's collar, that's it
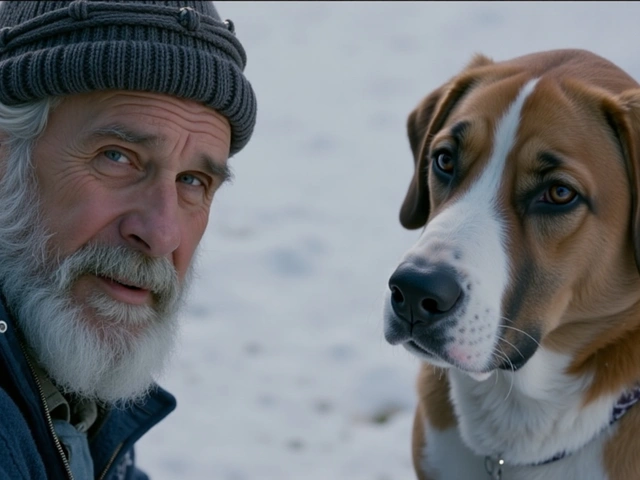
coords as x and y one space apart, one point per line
493 463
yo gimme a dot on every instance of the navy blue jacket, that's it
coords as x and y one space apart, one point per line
27 446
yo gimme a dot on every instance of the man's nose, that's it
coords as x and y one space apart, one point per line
152 225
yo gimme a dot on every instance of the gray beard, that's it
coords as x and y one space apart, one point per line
112 357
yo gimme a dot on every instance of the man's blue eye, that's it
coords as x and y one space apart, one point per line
116 156
190 179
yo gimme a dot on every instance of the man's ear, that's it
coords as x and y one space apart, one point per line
623 114
422 124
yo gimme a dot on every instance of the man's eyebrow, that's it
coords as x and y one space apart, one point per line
207 163
122 133
216 168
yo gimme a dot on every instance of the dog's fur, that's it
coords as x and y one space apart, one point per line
544 336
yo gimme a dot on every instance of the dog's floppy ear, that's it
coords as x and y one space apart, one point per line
422 124
415 208
624 116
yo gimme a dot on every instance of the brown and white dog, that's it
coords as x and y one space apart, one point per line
522 294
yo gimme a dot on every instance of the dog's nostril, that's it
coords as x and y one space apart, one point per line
430 305
396 295
424 292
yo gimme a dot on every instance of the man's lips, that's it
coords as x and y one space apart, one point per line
124 292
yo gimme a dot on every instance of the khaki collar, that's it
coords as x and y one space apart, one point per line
81 413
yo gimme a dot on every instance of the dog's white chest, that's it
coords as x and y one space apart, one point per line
446 457
530 416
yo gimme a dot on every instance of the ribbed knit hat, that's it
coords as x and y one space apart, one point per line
51 48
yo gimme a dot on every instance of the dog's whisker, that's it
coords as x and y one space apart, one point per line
520 331
501 354
506 319
512 377
500 337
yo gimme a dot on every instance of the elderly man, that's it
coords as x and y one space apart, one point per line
116 123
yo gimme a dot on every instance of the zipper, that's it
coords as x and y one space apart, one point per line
52 431
110 462
43 400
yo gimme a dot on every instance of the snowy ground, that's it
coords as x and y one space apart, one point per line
283 372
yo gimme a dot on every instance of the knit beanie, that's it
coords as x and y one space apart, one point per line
183 48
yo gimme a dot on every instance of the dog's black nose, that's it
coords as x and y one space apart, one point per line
423 293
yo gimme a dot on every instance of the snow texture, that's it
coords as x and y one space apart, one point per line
282 371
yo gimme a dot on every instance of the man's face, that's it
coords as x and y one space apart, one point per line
97 248
129 169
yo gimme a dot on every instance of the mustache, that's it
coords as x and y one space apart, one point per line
124 265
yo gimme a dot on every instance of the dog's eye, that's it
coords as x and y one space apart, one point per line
443 161
559 194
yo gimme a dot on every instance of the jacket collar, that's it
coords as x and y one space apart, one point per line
121 428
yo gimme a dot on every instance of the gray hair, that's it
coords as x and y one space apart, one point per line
20 128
